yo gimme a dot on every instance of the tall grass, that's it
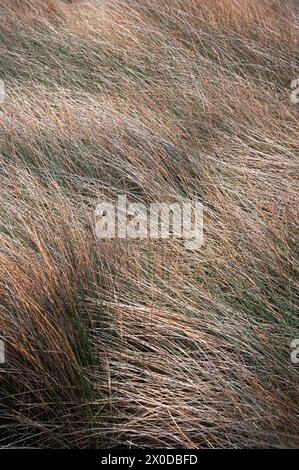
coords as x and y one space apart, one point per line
142 343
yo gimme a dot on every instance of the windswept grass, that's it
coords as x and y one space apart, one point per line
142 343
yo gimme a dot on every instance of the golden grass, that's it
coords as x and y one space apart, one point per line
142 343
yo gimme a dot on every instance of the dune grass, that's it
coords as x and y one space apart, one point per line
142 343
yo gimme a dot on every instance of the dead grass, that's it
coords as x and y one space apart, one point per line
144 343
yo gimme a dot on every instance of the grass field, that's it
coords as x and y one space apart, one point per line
142 343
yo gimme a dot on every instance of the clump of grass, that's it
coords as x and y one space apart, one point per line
142 343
